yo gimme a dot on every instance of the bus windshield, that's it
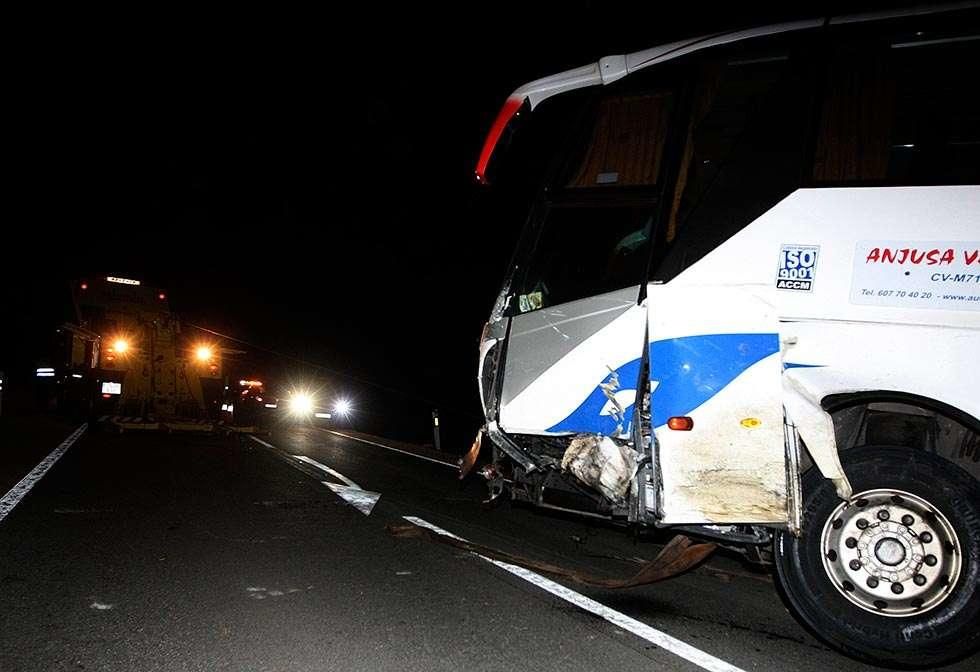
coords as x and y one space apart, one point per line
599 155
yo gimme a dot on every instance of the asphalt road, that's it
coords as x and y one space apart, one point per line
156 552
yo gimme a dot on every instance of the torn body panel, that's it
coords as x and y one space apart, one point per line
714 357
563 362
816 428
468 460
722 368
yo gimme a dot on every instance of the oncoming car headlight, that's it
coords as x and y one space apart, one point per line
301 404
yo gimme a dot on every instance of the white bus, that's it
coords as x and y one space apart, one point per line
746 305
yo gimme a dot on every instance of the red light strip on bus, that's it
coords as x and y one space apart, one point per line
507 112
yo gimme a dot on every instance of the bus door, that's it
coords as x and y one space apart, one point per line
716 405
723 453
578 332
573 362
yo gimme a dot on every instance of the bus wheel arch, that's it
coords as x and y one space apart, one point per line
888 417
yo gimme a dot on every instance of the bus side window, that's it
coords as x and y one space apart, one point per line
899 110
742 155
626 143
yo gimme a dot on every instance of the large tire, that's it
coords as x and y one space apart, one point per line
814 580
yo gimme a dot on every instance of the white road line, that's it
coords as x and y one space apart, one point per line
453 465
333 472
361 499
621 620
16 493
312 462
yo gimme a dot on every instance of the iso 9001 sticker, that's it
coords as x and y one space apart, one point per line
797 268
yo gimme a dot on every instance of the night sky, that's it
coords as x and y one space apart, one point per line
302 182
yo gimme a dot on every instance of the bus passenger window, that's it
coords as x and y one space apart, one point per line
900 112
626 143
742 155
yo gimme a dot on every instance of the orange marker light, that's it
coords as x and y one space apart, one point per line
680 423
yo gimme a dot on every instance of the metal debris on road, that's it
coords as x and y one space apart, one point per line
679 555
467 461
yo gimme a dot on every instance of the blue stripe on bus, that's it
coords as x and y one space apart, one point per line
689 371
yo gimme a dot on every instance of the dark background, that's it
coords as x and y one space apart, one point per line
301 182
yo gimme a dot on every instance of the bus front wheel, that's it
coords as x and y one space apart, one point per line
890 576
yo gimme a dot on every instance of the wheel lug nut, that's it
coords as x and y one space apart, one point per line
872 582
837 524
883 514
919 580
898 588
930 560
925 537
907 520
854 564
862 523
850 542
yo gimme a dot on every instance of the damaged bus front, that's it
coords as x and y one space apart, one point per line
721 276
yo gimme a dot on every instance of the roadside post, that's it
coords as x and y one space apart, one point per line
435 430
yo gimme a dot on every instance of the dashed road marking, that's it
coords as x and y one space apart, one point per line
679 648
361 499
309 460
619 619
333 472
17 493
444 463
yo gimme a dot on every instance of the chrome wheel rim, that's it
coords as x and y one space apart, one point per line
891 552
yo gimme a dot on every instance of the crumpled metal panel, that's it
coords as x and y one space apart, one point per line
601 463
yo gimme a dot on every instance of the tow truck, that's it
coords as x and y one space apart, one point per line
127 358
